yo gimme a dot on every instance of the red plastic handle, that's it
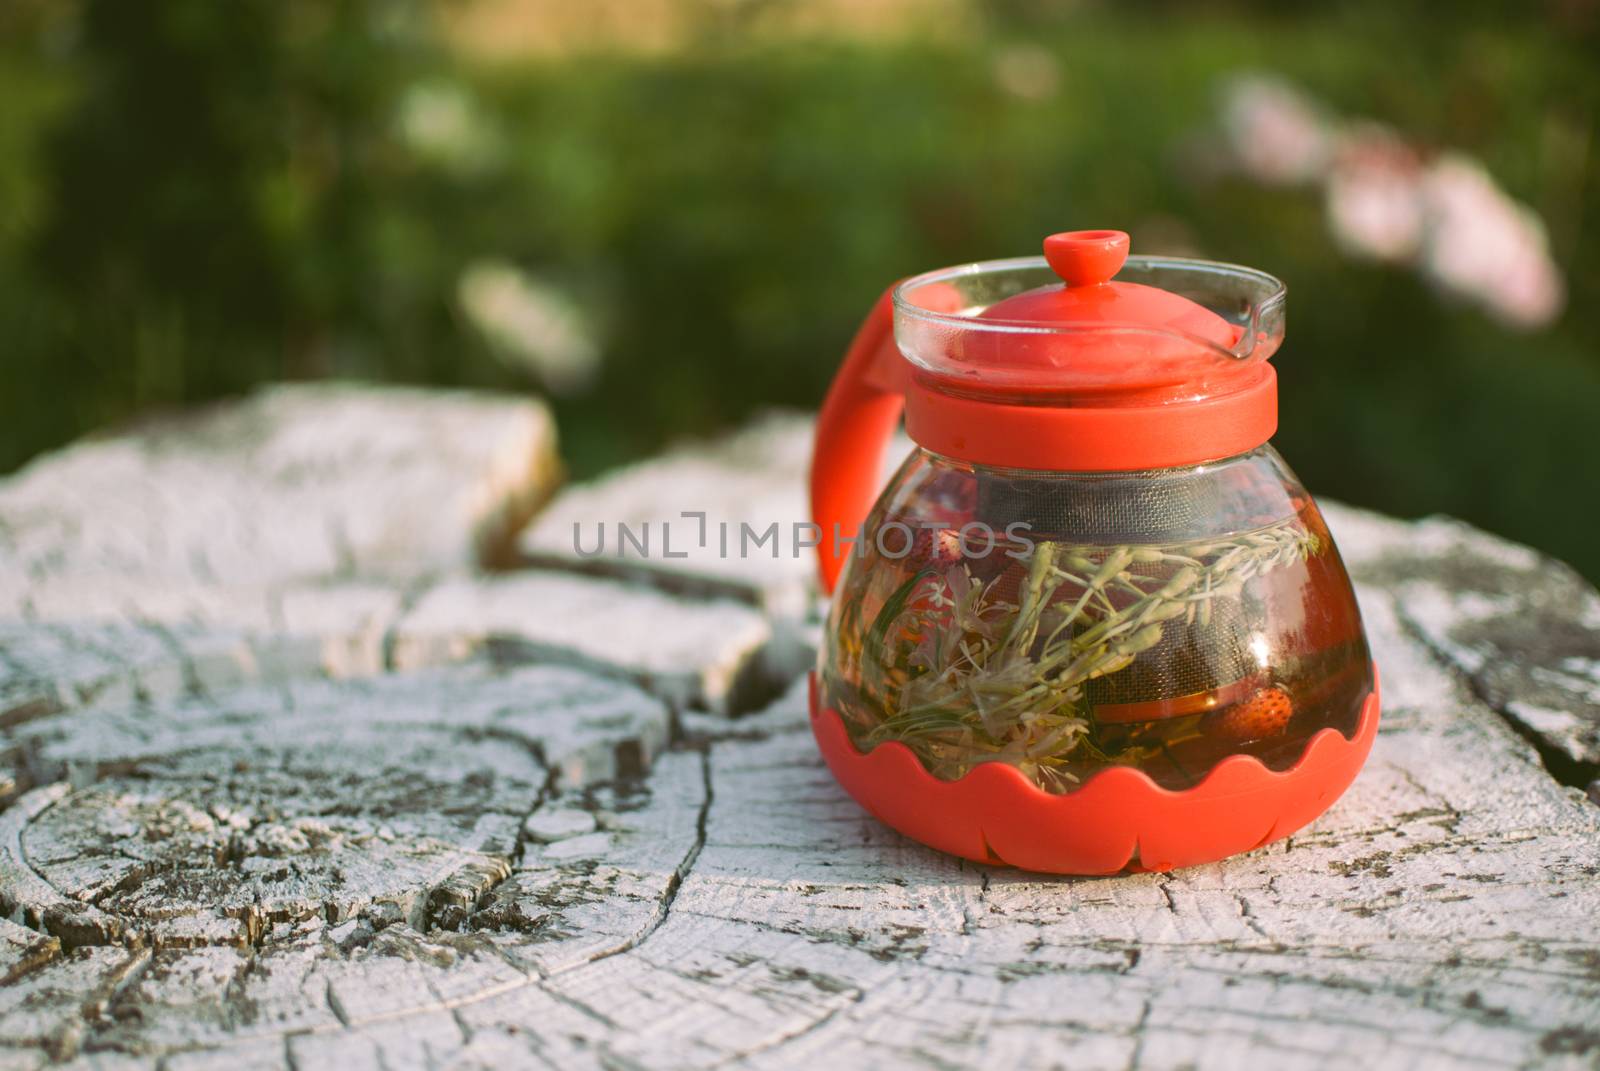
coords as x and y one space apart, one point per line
858 419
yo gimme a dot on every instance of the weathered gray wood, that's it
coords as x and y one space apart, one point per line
718 654
22 950
296 481
694 653
1440 916
754 478
723 519
241 838
206 822
263 539
323 531
1524 629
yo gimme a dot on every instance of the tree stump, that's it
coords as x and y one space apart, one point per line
292 778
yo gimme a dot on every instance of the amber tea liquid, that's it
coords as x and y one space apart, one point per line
1248 643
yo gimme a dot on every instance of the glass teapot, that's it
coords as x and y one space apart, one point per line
1094 622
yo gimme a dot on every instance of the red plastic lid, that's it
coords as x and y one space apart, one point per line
1090 336
1088 297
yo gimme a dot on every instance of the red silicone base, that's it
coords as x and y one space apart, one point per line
1118 820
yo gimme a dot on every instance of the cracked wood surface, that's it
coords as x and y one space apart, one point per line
444 818
751 480
323 531
295 481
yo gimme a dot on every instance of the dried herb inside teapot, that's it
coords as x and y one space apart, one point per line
965 669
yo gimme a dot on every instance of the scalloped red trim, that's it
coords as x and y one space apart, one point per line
1117 820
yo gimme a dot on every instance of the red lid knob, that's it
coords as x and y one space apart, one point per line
1086 258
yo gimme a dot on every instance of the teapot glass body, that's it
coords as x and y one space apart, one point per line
1064 623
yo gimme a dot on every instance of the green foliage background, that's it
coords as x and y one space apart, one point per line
197 197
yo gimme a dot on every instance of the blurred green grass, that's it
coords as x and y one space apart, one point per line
195 198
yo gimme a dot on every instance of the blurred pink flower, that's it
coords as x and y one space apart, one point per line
1374 194
1483 245
1274 132
1448 218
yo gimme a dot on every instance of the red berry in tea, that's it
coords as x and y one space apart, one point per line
1264 714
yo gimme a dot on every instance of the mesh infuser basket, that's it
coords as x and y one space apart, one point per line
1173 508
